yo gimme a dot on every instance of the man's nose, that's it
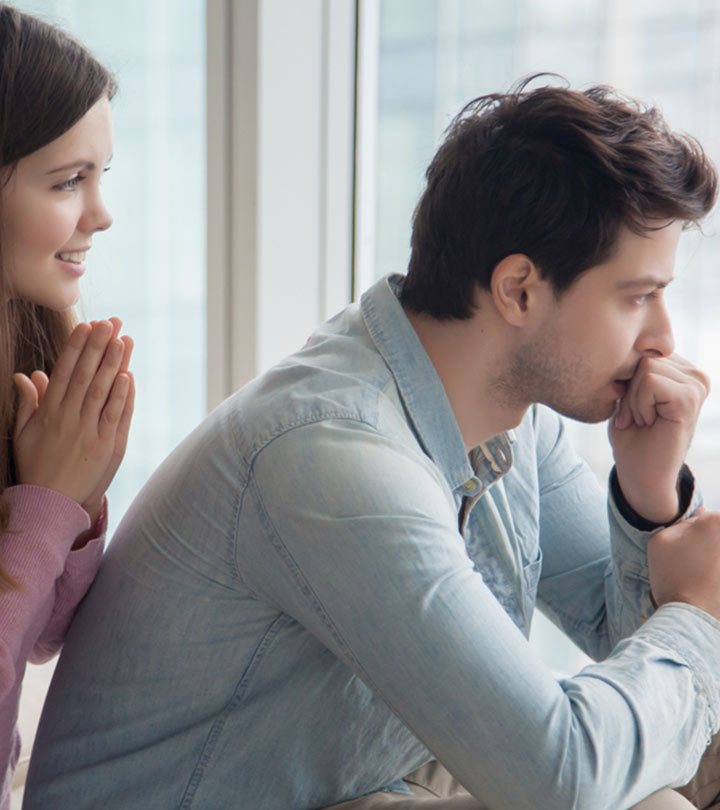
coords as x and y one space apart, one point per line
657 339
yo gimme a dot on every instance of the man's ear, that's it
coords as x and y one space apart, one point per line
515 286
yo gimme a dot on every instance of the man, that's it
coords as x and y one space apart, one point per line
326 590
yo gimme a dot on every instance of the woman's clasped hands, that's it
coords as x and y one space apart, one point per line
71 430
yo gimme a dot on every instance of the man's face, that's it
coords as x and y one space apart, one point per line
589 341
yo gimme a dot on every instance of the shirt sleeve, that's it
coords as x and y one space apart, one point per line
595 582
369 559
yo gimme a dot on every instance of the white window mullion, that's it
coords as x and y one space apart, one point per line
280 179
219 183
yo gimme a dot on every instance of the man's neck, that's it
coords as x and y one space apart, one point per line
468 357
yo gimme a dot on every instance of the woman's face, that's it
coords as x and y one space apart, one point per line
51 206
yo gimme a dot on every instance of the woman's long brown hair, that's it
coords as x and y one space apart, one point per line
48 81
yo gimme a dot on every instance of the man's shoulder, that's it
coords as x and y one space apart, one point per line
331 378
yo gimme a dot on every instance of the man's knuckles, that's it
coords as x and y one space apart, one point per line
704 527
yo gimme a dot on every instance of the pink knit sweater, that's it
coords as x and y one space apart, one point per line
36 549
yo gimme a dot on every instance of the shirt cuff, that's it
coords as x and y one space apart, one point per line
686 488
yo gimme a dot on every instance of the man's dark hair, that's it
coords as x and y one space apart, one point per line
553 174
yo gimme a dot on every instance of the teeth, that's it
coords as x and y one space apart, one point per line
76 258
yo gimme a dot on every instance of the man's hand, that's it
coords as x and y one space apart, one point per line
684 563
651 433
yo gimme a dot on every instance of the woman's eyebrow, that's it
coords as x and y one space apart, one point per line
77 164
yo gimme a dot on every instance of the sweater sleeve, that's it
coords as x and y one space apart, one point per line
81 567
36 550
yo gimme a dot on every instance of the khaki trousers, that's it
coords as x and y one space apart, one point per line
435 789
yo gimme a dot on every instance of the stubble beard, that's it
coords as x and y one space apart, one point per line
563 384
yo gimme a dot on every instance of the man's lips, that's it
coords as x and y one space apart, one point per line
621 386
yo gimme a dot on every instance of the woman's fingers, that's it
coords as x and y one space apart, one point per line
27 401
119 435
129 346
66 362
114 408
86 369
101 353
77 365
40 381
116 325
123 430
100 387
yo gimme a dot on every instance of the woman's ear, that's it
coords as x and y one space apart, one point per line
515 286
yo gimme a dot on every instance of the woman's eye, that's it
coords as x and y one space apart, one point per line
645 297
69 185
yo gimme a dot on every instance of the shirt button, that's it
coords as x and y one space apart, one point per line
470 485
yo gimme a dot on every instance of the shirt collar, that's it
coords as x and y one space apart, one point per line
423 393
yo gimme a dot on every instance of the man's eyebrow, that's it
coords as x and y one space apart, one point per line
645 281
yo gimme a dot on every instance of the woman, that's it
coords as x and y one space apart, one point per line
63 437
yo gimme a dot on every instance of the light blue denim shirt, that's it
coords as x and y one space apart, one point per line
318 591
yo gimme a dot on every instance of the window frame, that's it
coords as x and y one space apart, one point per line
280 179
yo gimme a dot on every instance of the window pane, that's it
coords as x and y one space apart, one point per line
149 268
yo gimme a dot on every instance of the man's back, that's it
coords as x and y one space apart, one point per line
182 681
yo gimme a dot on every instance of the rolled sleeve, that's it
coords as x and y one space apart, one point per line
372 563
629 553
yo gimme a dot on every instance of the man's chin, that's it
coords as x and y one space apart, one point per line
588 413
